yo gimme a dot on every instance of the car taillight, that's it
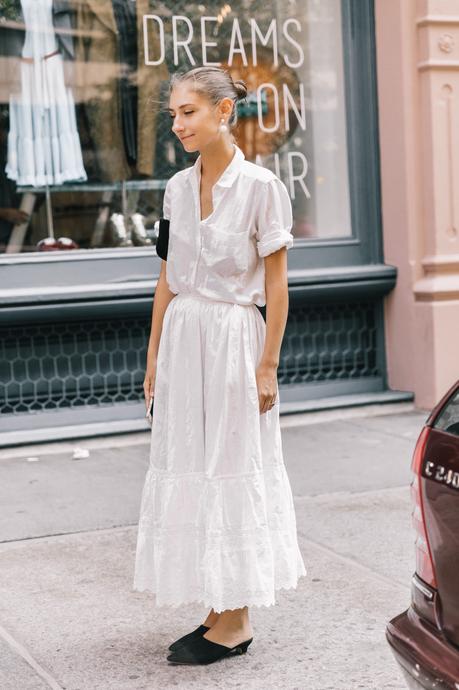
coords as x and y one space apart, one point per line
424 563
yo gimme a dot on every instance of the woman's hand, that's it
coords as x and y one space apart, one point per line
149 381
266 376
14 215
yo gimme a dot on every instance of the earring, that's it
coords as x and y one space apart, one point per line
223 127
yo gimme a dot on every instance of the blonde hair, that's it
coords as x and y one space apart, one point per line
215 83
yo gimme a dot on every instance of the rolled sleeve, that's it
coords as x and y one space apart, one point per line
274 219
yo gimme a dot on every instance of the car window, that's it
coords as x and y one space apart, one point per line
448 419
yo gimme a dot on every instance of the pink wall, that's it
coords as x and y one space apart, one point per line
417 44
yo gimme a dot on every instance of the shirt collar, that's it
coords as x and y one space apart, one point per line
229 174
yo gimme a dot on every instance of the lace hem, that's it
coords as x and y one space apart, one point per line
257 599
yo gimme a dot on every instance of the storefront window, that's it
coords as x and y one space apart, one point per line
85 137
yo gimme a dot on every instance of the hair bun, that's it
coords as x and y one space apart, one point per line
241 88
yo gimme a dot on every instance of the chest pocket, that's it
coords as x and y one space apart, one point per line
226 254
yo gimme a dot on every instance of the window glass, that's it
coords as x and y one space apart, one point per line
448 419
86 146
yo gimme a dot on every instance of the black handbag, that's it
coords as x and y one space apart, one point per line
162 242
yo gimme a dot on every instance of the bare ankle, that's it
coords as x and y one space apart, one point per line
211 619
235 619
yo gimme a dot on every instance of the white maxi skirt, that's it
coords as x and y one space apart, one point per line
217 521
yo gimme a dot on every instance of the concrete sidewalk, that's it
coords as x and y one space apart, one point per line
68 617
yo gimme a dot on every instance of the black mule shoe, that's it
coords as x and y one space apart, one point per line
199 632
204 651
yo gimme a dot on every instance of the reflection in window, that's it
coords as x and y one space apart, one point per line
448 420
86 146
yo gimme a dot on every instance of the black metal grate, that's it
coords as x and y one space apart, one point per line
330 342
54 366
93 363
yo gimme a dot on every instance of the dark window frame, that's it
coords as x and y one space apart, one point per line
364 245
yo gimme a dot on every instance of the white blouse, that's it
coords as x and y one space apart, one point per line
221 257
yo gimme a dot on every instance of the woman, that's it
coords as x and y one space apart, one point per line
217 522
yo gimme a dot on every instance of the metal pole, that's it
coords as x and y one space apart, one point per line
49 213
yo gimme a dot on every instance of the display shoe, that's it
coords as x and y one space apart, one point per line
67 243
118 231
203 651
48 244
139 231
189 636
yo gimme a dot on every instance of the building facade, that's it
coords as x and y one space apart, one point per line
418 92
87 149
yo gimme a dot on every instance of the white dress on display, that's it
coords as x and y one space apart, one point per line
217 519
43 142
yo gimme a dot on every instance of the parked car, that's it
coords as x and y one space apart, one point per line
425 637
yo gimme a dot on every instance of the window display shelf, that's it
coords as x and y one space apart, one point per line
128 185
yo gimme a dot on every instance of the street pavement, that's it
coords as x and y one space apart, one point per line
68 525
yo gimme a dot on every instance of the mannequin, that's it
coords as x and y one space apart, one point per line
125 145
